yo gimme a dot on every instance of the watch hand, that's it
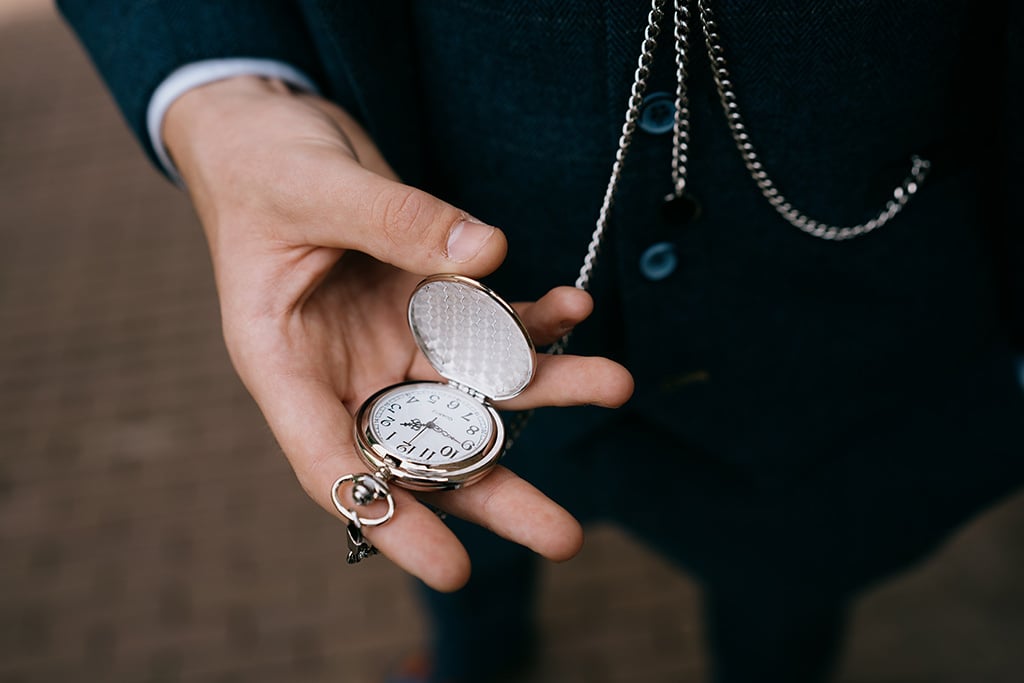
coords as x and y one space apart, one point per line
422 429
416 424
441 431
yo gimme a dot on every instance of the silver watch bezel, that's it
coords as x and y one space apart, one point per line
418 476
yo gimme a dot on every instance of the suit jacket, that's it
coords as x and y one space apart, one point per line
871 377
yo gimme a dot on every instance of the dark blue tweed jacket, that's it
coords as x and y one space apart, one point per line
877 370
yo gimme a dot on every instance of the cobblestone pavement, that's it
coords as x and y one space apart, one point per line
150 530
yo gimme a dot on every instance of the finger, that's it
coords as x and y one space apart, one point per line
514 509
397 224
315 432
555 314
573 381
563 380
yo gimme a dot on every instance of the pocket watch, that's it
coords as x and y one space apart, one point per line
430 436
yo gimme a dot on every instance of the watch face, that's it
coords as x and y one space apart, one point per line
430 424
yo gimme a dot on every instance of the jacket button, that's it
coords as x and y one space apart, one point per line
658 261
657 113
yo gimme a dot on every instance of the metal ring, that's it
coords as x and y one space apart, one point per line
352 515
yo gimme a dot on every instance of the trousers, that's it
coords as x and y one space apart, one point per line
764 621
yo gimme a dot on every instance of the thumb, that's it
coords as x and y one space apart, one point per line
406 227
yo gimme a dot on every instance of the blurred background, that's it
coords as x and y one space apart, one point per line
151 531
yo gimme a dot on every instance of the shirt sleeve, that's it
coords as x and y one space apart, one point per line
137 46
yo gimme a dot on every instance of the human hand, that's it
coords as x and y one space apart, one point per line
316 248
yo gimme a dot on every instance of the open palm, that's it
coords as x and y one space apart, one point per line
316 248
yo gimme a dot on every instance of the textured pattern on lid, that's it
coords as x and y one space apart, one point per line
471 336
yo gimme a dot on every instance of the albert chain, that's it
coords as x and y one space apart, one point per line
919 167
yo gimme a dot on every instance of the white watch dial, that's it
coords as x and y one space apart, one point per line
430 423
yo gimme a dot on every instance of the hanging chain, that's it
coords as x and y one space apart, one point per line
633 106
680 150
681 119
636 100
723 83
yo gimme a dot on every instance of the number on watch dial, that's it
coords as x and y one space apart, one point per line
430 423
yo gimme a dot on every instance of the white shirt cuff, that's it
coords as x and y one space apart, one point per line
200 73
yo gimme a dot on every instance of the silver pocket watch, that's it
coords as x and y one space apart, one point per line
430 436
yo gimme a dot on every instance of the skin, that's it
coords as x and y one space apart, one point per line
316 246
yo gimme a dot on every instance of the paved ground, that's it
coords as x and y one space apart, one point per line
150 531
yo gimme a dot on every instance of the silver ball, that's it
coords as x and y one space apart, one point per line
366 489
362 494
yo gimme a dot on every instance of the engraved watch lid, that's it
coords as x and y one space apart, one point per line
471 336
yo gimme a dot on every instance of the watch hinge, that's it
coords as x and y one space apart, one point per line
468 390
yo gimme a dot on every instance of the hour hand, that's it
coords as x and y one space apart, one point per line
418 426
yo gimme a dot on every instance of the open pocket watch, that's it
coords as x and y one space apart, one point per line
430 436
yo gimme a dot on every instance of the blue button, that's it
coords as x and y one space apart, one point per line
657 113
659 261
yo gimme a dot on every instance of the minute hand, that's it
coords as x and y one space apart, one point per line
442 432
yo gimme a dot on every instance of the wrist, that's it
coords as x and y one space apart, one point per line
199 116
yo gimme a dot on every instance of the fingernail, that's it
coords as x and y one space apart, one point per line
467 239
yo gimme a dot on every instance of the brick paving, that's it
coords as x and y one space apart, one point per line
151 531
